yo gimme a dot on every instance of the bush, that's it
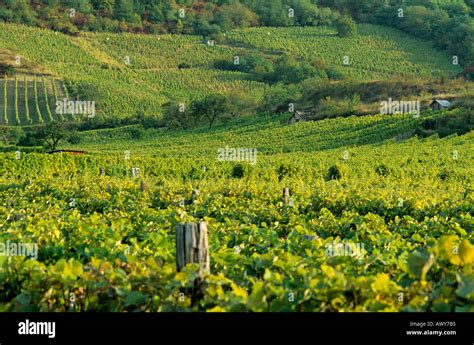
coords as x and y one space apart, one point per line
66 28
150 121
7 69
335 172
286 170
238 171
458 121
225 65
330 108
335 74
10 135
382 170
289 70
136 133
346 27
278 97
444 174
30 138
74 138
6 14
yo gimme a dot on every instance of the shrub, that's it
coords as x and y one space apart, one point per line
335 74
335 172
286 170
74 138
382 170
136 133
225 65
346 27
10 135
444 174
238 171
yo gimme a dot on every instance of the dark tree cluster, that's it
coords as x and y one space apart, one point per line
207 111
285 69
449 24
207 18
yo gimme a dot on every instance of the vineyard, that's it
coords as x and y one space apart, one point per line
130 74
337 209
377 52
30 100
110 243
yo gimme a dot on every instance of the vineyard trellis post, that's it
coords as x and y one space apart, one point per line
192 246
143 186
286 196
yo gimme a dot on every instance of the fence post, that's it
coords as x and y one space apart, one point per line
192 246
143 186
286 195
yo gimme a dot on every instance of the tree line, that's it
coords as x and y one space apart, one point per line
449 24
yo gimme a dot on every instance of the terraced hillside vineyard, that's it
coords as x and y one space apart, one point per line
376 53
128 74
31 100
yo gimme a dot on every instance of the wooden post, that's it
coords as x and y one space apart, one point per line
143 186
192 246
286 195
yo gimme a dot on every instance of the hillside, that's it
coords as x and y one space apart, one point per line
269 134
131 74
31 100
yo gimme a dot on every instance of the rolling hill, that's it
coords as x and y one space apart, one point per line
131 74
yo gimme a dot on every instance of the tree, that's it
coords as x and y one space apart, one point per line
175 115
155 14
290 71
211 107
7 69
124 10
6 14
256 64
106 7
277 98
242 103
236 15
178 27
22 12
51 134
10 135
346 27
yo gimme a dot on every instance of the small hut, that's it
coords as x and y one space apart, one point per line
440 104
299 116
